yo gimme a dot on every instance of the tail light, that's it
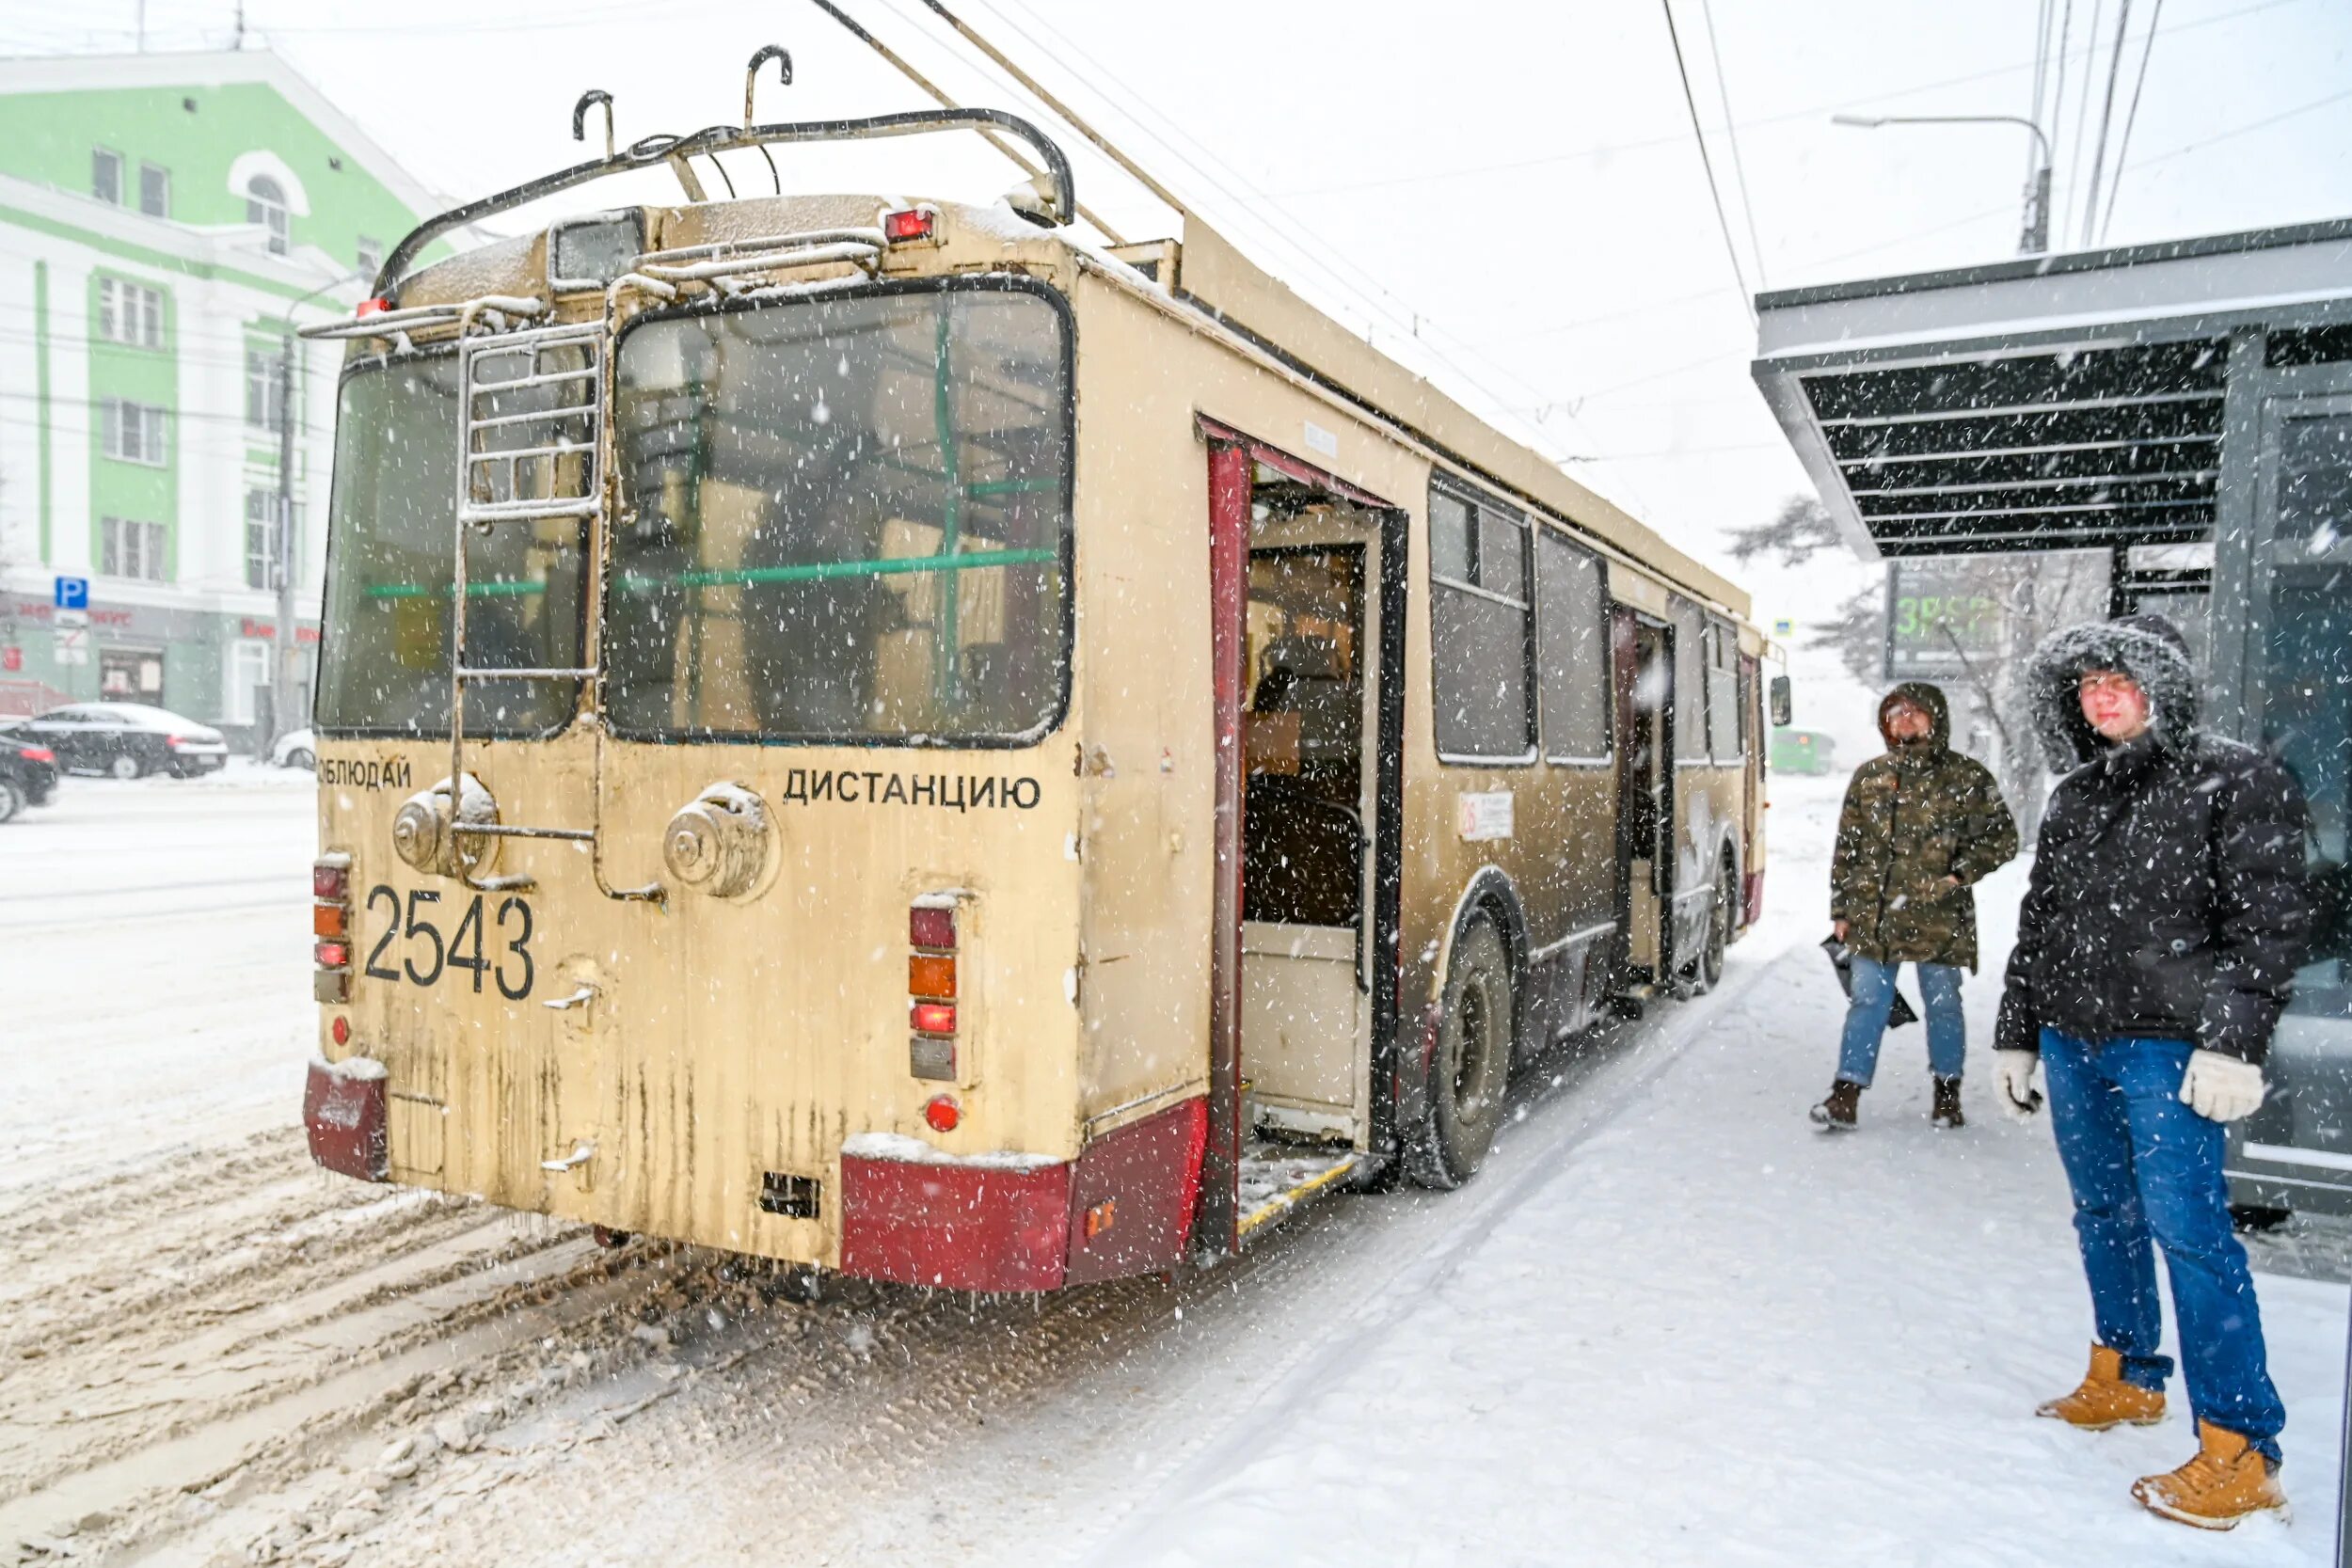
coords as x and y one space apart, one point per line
373 307
330 923
172 742
40 754
909 225
943 1113
931 988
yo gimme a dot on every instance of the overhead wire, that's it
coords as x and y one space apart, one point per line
1699 133
2107 113
1731 135
2131 118
2082 117
2057 110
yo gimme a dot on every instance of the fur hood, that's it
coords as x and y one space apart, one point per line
2148 648
1919 694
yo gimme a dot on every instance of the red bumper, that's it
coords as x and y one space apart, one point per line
1754 898
1125 1206
344 1111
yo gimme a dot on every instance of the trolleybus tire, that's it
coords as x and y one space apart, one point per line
1719 923
1472 1068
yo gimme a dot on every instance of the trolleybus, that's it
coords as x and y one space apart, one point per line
890 736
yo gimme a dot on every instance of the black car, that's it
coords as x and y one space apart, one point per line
125 740
28 774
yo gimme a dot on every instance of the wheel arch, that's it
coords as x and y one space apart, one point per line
1490 892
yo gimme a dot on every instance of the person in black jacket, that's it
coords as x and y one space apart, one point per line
2156 946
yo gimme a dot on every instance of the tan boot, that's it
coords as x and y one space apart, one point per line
2226 1482
2104 1400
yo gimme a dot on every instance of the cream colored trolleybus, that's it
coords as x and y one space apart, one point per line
873 732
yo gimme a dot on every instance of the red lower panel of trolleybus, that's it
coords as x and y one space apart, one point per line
1124 1208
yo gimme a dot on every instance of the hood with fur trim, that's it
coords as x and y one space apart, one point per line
1922 695
2148 648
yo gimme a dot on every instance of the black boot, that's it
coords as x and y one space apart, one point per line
1836 1112
1946 1111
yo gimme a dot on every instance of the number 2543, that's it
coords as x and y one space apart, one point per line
505 935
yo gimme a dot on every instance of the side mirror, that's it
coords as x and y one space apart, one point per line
1781 707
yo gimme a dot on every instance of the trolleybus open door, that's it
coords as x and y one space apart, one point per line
1642 674
1306 599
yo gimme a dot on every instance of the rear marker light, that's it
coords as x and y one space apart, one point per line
1102 1217
340 1029
943 1113
934 1018
326 920
333 955
329 879
914 223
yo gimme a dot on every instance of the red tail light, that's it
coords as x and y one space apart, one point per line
40 754
912 223
333 955
934 1018
943 1113
172 742
330 921
330 877
932 926
370 307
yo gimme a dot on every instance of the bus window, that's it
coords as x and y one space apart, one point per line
1304 726
843 518
1479 628
1571 652
1723 691
384 665
1690 682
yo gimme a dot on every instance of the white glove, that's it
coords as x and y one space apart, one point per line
2012 1072
2220 1088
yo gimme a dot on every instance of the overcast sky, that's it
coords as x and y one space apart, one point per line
1517 181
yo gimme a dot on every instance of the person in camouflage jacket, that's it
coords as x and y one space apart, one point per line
1921 825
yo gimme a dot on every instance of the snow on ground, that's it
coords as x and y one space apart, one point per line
154 960
1669 1323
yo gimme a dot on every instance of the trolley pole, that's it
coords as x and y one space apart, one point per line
288 672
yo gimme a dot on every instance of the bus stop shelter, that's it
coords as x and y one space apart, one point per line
2186 408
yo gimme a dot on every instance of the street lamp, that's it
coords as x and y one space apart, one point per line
2036 238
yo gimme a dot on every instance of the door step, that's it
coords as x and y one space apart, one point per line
1275 1181
1632 1002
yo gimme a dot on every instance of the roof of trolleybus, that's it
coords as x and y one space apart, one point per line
1202 282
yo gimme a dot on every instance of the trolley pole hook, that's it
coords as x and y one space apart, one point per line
751 74
580 117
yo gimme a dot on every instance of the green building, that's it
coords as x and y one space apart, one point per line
163 220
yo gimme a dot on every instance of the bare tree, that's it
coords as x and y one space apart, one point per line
1802 530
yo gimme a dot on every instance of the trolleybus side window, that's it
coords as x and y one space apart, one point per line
384 665
1722 690
843 519
1480 628
1690 638
1571 651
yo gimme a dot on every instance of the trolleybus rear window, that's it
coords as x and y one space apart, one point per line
384 665
843 519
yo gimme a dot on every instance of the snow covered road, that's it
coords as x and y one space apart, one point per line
1668 1324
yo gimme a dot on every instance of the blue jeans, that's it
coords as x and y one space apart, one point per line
2147 1168
1866 1018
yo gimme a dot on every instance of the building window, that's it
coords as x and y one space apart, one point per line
1571 651
261 539
264 389
106 176
128 314
248 672
131 549
1481 625
154 190
135 432
265 205
370 255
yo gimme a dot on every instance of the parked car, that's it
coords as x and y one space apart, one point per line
125 740
1802 751
295 748
28 774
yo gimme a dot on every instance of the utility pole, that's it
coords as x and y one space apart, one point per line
288 673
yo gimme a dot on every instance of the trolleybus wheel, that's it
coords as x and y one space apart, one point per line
1719 923
1472 1064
